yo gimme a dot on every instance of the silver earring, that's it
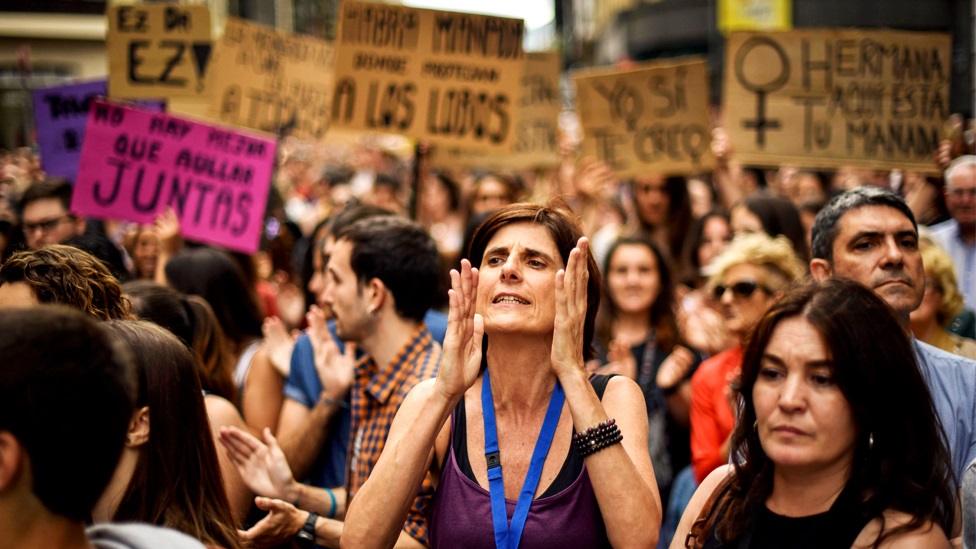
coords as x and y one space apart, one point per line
870 441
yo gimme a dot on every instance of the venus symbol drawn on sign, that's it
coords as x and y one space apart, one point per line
761 123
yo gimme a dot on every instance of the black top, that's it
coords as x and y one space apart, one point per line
837 527
567 474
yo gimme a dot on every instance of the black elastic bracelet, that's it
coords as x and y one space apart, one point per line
597 437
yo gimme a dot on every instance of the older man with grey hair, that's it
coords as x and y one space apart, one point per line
958 235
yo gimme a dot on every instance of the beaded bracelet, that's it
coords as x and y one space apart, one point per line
597 437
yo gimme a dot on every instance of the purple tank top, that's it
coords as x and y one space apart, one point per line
461 515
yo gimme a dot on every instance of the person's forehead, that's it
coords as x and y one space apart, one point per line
43 207
882 219
962 177
524 235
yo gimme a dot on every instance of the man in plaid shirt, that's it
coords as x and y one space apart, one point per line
382 277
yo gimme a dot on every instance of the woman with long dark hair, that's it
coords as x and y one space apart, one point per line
191 320
214 276
168 474
837 443
636 331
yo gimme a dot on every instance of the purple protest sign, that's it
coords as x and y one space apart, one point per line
136 163
60 113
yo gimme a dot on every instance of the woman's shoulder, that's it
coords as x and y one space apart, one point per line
699 501
927 534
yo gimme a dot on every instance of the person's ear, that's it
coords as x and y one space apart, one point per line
138 428
11 458
820 269
377 293
80 225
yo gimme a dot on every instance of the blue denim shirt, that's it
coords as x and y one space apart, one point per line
303 386
952 382
963 256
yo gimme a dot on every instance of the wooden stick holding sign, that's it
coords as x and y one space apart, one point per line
653 118
135 164
439 76
157 50
830 98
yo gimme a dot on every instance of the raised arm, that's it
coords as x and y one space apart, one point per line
376 514
621 474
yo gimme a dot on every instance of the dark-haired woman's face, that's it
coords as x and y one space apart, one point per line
517 280
716 235
145 253
490 194
653 202
744 221
633 279
803 420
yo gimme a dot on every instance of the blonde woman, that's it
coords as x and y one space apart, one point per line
942 303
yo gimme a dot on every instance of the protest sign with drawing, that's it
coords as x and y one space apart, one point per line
433 75
830 98
136 163
157 50
653 118
536 128
270 80
60 114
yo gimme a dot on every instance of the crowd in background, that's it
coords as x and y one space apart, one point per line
236 352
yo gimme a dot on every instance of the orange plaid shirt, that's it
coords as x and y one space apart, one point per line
376 396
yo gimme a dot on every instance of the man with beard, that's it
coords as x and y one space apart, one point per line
869 235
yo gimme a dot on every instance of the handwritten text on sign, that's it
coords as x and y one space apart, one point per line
829 98
60 114
159 50
435 75
650 119
272 81
135 164
537 123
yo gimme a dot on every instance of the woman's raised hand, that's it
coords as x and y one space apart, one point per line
567 334
461 358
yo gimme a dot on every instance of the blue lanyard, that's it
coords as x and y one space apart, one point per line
508 536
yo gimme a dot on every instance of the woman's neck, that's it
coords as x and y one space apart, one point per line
108 504
521 380
927 331
631 327
802 492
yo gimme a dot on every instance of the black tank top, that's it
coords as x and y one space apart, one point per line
838 527
567 473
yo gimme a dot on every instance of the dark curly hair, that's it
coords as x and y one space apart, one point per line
66 275
900 459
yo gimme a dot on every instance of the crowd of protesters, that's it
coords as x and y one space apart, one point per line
555 357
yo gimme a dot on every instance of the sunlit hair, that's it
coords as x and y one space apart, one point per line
939 266
900 461
68 276
775 255
565 231
177 481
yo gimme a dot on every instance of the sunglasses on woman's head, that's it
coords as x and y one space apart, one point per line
743 289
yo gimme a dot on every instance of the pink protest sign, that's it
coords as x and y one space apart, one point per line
135 164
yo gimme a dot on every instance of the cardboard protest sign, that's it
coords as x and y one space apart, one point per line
653 118
135 164
829 98
433 75
157 50
60 114
271 80
536 128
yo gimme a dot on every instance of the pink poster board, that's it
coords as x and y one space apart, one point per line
136 163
